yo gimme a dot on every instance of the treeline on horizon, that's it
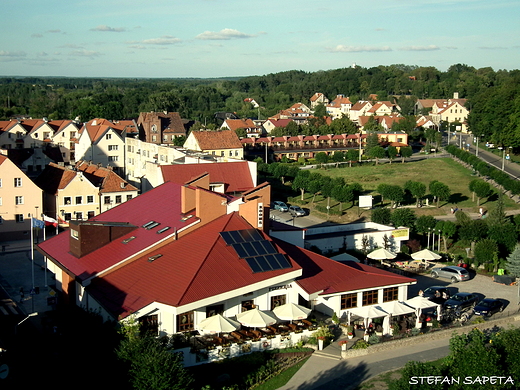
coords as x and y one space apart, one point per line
493 96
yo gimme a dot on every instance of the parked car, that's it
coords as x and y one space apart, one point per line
296 211
487 307
452 272
432 295
280 206
461 301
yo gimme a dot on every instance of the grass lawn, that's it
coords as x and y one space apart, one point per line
445 170
282 379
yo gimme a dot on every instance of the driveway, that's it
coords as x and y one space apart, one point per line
481 285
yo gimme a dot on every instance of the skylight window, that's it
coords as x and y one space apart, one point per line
153 258
127 240
163 229
148 224
155 224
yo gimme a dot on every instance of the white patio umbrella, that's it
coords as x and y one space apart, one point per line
291 311
367 313
381 254
256 318
217 324
425 254
420 303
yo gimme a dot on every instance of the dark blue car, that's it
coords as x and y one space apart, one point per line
487 307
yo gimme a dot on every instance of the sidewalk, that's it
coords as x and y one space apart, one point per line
19 271
327 370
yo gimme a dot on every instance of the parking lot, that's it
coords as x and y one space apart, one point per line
482 286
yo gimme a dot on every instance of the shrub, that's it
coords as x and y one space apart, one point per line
360 344
374 339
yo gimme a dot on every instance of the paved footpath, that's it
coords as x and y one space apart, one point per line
327 370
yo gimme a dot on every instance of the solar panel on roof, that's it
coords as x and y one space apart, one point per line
227 238
241 252
253 265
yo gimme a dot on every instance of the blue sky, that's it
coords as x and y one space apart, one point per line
219 38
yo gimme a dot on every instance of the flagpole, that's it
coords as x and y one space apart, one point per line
32 252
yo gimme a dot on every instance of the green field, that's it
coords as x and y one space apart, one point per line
444 170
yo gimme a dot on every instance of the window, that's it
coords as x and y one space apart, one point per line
67 216
277 300
79 199
390 294
154 138
108 136
149 324
106 200
90 214
18 218
90 199
0 201
112 147
0 183
185 322
79 215
369 297
18 200
348 301
118 198
214 310
247 305
113 158
1 220
17 181
67 200
72 134
154 129
128 197
165 138
74 234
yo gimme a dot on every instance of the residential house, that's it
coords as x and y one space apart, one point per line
423 106
243 179
65 135
339 107
11 134
384 108
450 112
160 127
222 143
270 124
426 122
102 142
317 99
20 199
360 108
83 191
177 254
251 129
253 102
298 112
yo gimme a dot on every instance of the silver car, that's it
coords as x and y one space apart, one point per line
452 272
296 211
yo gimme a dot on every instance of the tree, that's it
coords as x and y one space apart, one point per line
241 133
485 251
395 194
381 215
383 190
416 189
448 229
343 193
480 188
513 262
338 157
391 151
151 365
301 182
440 191
406 152
321 158
403 217
377 152
473 231
505 236
425 223
352 155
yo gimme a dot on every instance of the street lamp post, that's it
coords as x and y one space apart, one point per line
26 318
503 156
476 147
360 147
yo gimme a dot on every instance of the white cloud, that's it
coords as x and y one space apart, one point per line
358 49
421 48
225 34
104 27
164 40
36 35
85 53
4 53
54 31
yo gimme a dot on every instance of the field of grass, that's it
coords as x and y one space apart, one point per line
445 170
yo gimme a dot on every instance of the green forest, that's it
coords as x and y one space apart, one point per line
493 96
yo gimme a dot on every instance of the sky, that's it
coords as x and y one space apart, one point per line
233 38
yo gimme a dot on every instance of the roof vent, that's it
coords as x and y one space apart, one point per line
127 240
148 224
163 229
186 218
153 258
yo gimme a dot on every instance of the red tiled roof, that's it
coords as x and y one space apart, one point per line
185 273
169 214
235 124
222 139
110 181
329 276
235 175
54 178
